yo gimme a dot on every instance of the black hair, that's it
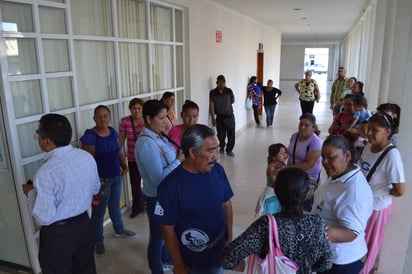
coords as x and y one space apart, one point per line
361 84
167 95
349 96
274 150
312 119
393 108
55 127
135 101
360 101
189 105
101 106
220 78
343 143
252 79
194 137
152 108
384 120
291 186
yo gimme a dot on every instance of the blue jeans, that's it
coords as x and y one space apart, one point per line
211 270
270 112
351 268
156 250
112 201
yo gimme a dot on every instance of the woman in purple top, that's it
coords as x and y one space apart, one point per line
102 142
304 152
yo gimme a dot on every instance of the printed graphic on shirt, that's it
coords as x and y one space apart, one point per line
364 165
194 239
159 209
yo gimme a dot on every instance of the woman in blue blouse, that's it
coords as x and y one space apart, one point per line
102 142
155 158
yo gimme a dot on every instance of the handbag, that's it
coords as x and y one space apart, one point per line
274 262
249 103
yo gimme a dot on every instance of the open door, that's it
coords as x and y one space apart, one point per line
259 73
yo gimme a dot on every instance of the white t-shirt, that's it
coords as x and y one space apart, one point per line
389 171
346 202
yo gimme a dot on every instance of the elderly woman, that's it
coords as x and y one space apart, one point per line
387 180
156 158
130 128
304 152
301 236
102 142
345 202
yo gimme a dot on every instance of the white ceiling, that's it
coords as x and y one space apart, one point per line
300 21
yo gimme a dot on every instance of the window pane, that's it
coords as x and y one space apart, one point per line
86 119
56 55
27 99
161 23
16 17
52 20
30 169
92 17
95 71
134 66
162 67
28 145
21 56
132 19
179 26
179 66
60 93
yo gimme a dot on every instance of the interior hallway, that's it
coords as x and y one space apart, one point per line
246 173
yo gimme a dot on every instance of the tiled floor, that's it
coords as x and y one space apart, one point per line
246 173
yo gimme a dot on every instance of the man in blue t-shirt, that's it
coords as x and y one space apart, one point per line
194 207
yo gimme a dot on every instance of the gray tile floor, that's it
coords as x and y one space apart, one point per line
246 173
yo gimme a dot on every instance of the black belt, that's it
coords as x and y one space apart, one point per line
68 220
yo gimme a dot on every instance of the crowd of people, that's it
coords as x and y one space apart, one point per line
335 226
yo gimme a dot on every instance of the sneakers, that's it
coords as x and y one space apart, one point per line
124 233
222 150
259 126
168 267
99 248
230 154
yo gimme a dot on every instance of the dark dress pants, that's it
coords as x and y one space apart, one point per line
226 129
135 179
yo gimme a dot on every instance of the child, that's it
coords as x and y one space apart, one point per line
360 113
268 203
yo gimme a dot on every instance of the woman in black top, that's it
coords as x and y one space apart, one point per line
311 252
270 96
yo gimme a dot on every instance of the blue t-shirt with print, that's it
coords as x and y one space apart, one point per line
192 202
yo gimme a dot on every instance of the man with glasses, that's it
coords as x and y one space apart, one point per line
59 196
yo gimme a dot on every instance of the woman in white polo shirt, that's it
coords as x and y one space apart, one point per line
345 202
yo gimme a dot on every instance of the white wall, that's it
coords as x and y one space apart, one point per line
235 57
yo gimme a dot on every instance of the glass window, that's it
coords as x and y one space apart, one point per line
134 66
28 144
86 119
56 55
21 56
162 67
132 19
179 66
52 20
178 26
161 23
95 71
16 17
92 17
27 98
60 93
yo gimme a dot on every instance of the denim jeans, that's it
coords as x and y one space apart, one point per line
212 270
270 112
112 201
156 250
